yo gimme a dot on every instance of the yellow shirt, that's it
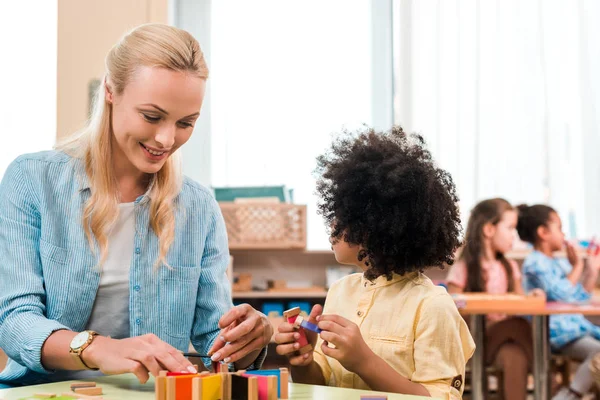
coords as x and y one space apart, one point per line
410 323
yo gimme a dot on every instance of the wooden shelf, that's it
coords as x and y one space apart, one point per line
286 251
296 294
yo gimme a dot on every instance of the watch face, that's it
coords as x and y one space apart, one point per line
79 340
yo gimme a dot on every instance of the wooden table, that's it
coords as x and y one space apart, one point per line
541 343
127 387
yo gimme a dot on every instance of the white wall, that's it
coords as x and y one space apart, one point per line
28 32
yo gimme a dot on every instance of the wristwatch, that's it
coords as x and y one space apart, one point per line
81 342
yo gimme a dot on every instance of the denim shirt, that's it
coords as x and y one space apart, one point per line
49 275
550 275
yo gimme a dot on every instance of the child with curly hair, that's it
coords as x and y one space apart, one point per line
392 213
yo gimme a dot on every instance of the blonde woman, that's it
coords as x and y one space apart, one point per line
111 260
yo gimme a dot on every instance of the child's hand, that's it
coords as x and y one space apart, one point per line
573 255
593 262
350 347
287 340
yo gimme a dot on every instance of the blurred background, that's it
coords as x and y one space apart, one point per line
506 93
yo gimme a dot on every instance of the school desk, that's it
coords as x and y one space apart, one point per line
127 387
541 343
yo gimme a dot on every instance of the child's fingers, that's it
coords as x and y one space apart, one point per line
331 326
283 338
285 327
334 318
330 337
302 359
328 351
285 349
316 311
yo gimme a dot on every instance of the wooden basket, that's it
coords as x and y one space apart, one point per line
263 225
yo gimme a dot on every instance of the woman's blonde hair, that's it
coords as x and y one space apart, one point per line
150 45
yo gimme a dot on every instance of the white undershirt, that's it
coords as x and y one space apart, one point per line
110 315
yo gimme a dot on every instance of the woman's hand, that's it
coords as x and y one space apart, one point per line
142 355
243 330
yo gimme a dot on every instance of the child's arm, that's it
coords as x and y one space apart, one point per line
356 356
304 368
517 278
541 273
456 280
576 262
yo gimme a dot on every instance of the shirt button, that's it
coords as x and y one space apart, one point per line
138 250
136 288
359 313
138 321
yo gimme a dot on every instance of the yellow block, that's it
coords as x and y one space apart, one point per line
211 387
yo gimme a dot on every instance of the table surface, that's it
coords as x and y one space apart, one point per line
498 305
127 387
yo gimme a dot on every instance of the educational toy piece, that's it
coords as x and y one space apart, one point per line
82 385
90 391
282 375
240 385
244 387
372 397
291 316
301 322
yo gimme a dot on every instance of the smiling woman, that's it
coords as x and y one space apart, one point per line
112 260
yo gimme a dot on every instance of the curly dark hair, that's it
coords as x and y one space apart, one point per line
382 190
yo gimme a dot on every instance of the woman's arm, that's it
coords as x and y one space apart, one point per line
24 327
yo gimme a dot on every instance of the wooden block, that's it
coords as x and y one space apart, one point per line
239 387
225 386
82 385
82 396
162 373
171 388
160 388
272 388
211 387
70 395
183 385
197 389
90 391
305 349
253 388
373 397
44 395
283 383
292 312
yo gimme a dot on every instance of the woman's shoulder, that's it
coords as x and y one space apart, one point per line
48 156
194 193
44 166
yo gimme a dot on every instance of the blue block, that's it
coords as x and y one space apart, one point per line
269 372
310 326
